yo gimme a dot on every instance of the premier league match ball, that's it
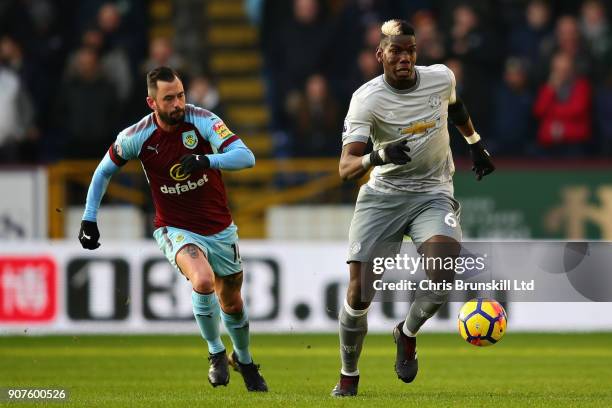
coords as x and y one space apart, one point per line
482 322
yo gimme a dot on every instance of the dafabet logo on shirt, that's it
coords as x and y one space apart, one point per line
180 188
177 173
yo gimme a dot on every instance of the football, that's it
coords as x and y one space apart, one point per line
482 322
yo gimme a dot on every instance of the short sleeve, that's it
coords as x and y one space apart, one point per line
128 146
125 148
129 142
452 98
358 123
212 128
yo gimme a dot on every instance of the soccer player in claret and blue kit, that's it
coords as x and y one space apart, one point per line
182 149
404 113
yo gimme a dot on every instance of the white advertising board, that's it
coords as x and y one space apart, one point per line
129 287
23 204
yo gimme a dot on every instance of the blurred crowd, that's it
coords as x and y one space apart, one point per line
536 75
72 75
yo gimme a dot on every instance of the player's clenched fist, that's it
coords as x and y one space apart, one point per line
193 162
89 234
395 153
481 159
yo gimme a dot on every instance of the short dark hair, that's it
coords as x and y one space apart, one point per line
395 27
165 74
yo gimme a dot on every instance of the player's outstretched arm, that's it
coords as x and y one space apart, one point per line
354 164
235 156
481 159
351 167
89 234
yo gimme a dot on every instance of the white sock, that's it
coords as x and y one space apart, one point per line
354 312
352 374
407 331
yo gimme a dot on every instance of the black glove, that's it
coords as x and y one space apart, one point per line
193 162
396 153
89 234
481 159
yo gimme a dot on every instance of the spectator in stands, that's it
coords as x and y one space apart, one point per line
16 118
300 49
109 19
36 46
273 13
567 40
316 119
372 35
254 10
114 63
87 109
455 65
603 115
526 40
366 68
376 10
201 92
430 43
479 53
597 33
305 44
11 53
362 65
30 74
162 53
369 67
121 23
512 127
563 107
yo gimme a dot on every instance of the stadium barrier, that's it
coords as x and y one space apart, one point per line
524 199
251 192
569 200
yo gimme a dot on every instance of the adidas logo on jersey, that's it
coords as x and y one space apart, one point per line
179 188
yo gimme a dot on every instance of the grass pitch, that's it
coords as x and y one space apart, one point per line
523 370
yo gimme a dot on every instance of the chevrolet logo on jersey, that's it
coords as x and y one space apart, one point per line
176 172
418 127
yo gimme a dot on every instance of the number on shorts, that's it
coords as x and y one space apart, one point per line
450 220
236 252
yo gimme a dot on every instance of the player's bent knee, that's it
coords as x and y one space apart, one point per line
202 282
440 245
360 289
232 307
356 298
231 301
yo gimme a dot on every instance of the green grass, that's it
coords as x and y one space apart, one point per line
524 370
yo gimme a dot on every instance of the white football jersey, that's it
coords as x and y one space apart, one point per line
418 114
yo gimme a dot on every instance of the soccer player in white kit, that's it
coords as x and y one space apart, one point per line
410 192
